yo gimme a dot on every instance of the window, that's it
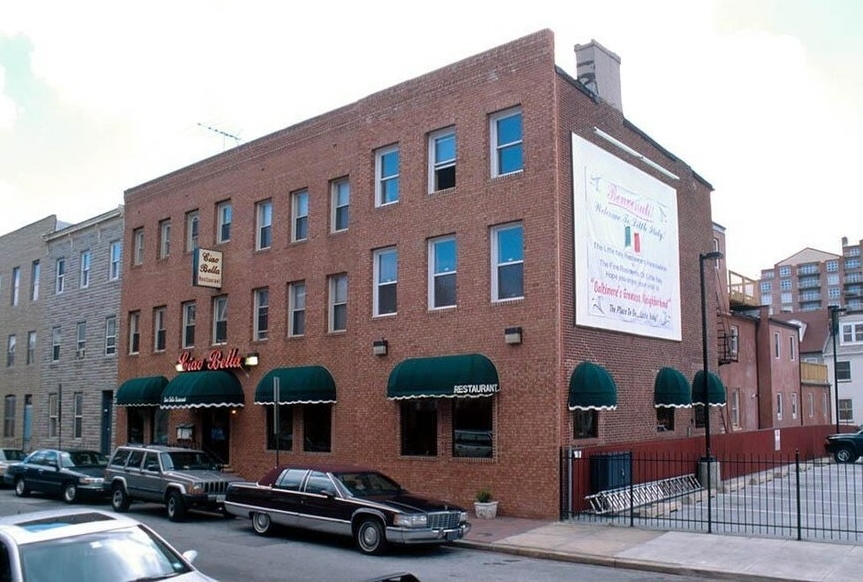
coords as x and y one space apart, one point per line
317 428
285 428
735 408
506 142
16 284
585 424
776 350
832 266
779 406
264 213
78 414
224 213
110 335
341 200
9 416
300 210
785 298
473 427
833 279
297 308
846 409
843 371
261 324
785 285
442 272
53 410
794 405
55 344
851 264
834 293
765 286
115 250
852 333
442 160
507 259
734 341
192 228
810 399
31 347
785 271
338 312
35 275
85 269
665 418
61 276
81 340
791 350
767 274
159 329
419 427
138 245
188 339
164 239
220 320
386 273
134 332
10 350
387 176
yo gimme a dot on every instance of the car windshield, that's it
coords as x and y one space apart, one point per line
186 460
115 556
83 459
368 483
13 454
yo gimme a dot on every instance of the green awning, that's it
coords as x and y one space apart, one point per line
203 390
466 375
715 390
300 385
591 387
671 389
146 391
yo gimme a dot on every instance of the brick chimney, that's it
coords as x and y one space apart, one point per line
598 69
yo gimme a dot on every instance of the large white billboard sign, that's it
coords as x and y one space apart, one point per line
627 261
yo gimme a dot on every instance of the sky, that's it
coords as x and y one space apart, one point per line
762 98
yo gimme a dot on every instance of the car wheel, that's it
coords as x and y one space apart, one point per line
119 500
845 455
70 492
262 524
21 489
370 537
176 506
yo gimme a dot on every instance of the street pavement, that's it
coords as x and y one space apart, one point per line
714 556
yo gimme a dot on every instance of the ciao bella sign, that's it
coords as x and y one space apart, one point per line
215 360
207 268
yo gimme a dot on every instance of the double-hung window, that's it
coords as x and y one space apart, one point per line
261 323
85 269
134 332
338 315
31 347
188 339
443 262
507 260
56 338
16 284
138 246
386 272
164 239
297 308
442 148
60 284
10 350
223 221
192 227
110 335
852 333
300 209
341 200
220 319
387 175
506 142
264 221
77 415
159 329
35 275
81 340
115 251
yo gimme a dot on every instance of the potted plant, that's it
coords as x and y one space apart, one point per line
484 505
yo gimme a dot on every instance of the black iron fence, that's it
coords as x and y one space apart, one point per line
785 496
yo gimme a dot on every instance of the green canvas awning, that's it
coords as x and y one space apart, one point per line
466 375
203 390
299 385
591 387
715 390
671 389
146 391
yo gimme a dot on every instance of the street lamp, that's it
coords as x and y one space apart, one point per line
711 256
835 310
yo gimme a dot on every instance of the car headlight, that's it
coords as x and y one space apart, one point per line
412 520
462 516
196 489
90 480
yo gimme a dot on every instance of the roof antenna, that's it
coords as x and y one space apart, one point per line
224 135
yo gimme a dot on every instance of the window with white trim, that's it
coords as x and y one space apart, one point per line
80 340
300 210
297 308
443 262
110 335
85 269
261 324
224 213
843 371
78 415
507 156
264 222
779 406
852 333
338 308
193 223
9 417
766 286
792 344
386 272
165 238
53 415
776 347
340 204
442 152
188 340
220 320
810 398
60 284
138 246
159 329
735 408
387 175
115 252
734 341
35 276
832 266
10 350
134 332
56 338
31 347
785 271
16 284
507 261
846 409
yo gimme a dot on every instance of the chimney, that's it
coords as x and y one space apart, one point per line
598 69
844 241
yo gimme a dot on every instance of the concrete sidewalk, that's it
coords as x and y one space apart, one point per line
693 554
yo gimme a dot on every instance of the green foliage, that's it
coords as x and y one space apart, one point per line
484 495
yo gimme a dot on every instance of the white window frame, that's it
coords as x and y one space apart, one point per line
791 348
340 200
31 347
10 350
777 346
497 148
497 262
434 273
852 334
436 165
224 217
115 252
35 275
840 372
160 329
165 238
381 179
138 245
56 342
735 407
193 230
77 415
220 315
81 340
86 259
53 414
793 405
300 212
338 300
263 225
810 398
380 283
296 306
846 409
261 307
134 332
734 341
110 335
16 284
779 406
60 282
189 319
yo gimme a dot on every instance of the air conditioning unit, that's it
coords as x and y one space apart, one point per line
79 355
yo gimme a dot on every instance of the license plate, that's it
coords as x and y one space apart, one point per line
220 498
452 535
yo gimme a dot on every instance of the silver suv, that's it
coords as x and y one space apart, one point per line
180 478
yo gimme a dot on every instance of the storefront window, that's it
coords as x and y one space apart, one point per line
317 428
286 428
472 424
584 424
419 427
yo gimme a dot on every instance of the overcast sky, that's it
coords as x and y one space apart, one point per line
763 98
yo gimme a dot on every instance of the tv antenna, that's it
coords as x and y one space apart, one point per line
224 134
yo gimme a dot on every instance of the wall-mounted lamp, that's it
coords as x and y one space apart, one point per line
179 367
251 359
185 431
380 347
512 335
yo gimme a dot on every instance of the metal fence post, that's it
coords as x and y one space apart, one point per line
797 474
631 490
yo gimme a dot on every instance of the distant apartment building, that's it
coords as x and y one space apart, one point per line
848 370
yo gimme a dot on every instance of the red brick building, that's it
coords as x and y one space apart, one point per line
423 270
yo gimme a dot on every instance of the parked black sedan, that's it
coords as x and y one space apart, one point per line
345 500
70 473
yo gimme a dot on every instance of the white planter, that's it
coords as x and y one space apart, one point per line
487 510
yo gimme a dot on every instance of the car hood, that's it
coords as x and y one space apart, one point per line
202 475
89 471
410 503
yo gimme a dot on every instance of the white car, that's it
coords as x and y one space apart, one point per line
8 457
88 545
